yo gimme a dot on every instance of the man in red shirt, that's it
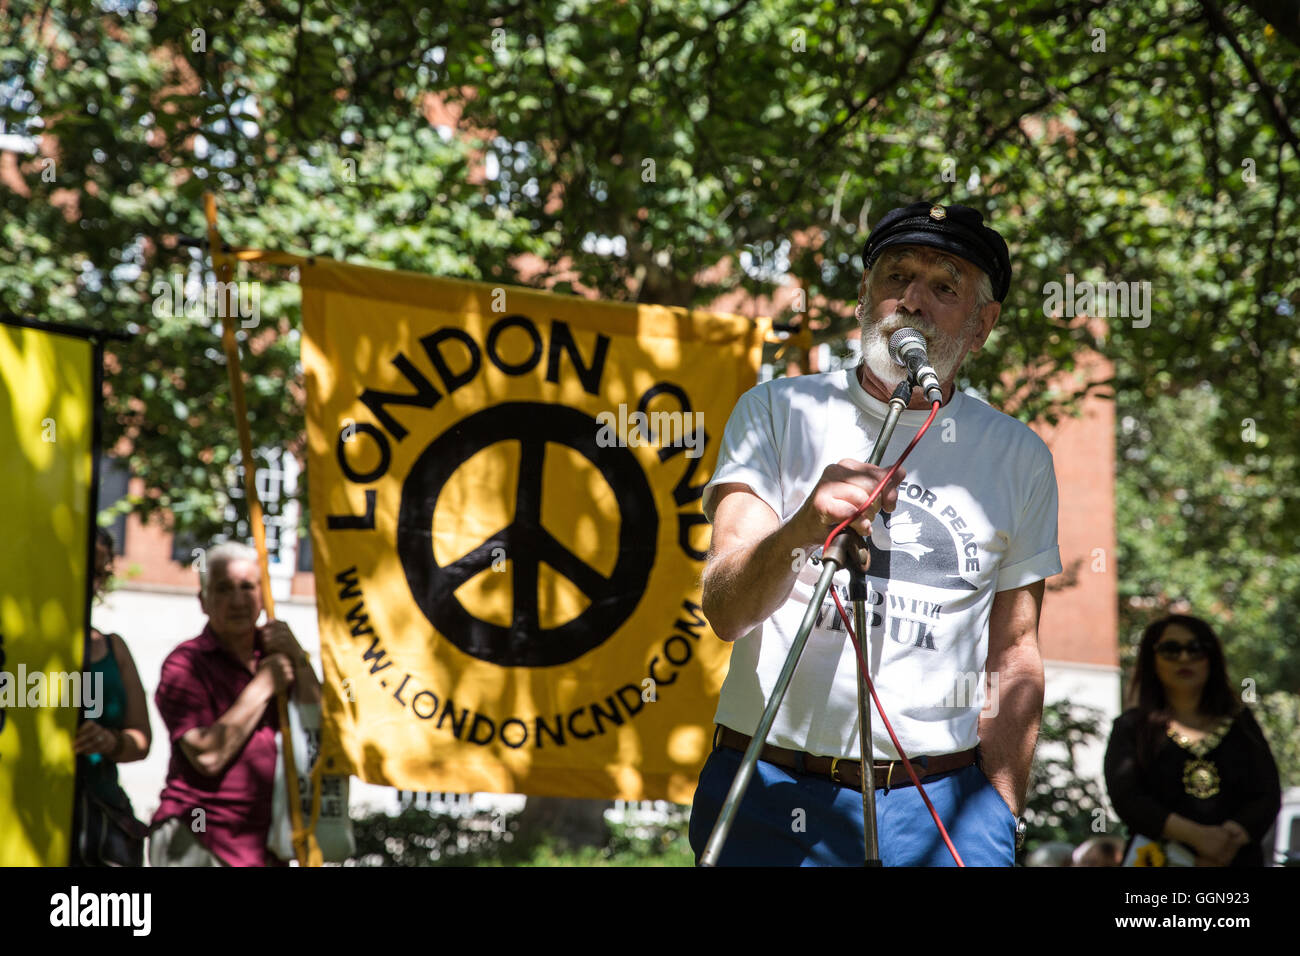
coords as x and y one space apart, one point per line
216 696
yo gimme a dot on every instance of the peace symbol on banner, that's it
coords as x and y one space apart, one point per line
525 541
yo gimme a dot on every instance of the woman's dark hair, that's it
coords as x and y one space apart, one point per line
1147 694
100 582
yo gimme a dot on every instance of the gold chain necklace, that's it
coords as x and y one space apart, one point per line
1201 776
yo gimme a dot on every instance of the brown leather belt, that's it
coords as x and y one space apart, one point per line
889 774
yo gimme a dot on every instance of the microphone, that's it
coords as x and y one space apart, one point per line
907 348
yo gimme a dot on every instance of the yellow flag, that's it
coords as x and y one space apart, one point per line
46 431
505 496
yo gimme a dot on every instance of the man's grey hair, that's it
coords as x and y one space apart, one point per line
220 556
983 291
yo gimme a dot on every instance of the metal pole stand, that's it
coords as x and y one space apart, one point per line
858 595
848 550
832 561
852 553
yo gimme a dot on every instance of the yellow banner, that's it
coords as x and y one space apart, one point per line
505 498
46 409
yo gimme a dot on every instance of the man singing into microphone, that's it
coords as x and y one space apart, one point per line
958 561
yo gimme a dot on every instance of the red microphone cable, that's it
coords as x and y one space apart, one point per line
857 647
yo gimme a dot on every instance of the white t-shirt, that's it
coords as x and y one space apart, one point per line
976 514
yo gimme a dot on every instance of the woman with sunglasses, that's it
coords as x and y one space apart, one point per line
1187 764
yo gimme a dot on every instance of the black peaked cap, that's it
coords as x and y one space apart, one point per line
959 230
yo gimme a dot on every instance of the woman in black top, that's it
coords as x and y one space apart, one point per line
1189 763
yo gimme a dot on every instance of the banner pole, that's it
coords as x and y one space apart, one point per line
221 265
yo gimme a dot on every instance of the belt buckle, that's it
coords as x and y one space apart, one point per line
835 770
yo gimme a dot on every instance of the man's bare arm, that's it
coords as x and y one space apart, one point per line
752 563
210 749
754 558
1007 738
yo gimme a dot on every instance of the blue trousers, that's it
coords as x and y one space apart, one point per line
791 819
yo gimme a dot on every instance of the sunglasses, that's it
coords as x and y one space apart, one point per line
1173 650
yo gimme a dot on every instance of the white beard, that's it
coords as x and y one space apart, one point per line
945 353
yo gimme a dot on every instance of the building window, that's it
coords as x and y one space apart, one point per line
277 482
114 476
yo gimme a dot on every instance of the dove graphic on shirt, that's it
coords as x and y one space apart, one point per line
904 534
931 554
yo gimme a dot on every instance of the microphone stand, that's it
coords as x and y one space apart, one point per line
848 550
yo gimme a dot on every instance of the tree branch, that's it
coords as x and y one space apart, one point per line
1280 118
